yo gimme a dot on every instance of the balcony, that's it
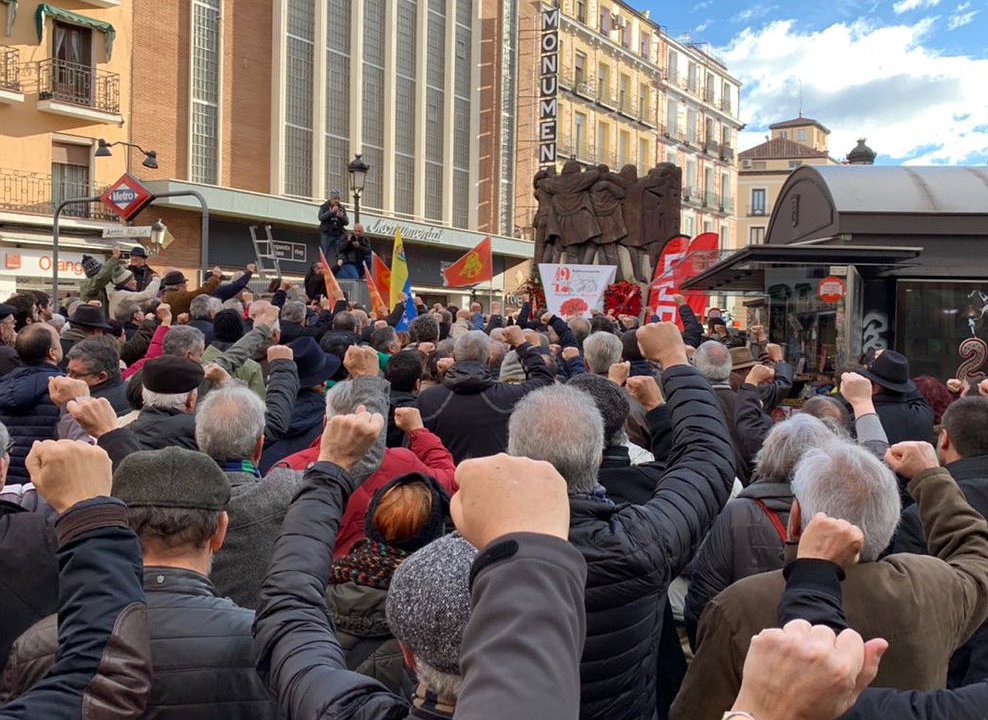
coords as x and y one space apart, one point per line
711 146
607 96
102 3
691 195
10 76
78 91
726 106
726 153
35 194
757 211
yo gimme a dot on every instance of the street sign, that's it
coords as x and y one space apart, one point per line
120 232
289 251
127 196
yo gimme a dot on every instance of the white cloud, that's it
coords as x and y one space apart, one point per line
962 16
754 12
702 5
701 27
904 6
864 79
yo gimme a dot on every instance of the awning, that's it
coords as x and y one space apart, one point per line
744 271
76 19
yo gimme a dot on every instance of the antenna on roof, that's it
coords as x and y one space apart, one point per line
800 98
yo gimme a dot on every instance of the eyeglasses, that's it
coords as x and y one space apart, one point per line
78 375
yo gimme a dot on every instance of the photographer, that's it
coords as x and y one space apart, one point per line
332 220
353 254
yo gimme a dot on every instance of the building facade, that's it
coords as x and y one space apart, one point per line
765 167
629 93
64 84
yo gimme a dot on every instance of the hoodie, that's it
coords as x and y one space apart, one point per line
28 412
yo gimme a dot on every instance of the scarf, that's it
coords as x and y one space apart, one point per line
240 466
426 704
598 495
368 563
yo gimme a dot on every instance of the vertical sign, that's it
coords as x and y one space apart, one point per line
548 85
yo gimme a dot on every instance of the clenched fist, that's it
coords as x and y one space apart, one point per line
408 419
909 459
67 472
827 538
95 415
347 438
361 361
662 343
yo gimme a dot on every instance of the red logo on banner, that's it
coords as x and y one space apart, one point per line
680 260
831 289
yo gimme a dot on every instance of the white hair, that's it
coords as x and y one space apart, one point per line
293 311
713 360
341 400
165 401
846 481
204 306
234 304
474 346
442 684
560 425
601 350
229 421
58 322
786 443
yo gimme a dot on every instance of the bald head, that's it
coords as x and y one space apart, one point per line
39 343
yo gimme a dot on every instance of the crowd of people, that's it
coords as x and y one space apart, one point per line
218 504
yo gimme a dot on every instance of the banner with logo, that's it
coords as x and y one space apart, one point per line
475 267
575 290
680 260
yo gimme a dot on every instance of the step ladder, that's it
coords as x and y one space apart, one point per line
267 259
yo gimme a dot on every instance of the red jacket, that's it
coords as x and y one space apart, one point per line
425 454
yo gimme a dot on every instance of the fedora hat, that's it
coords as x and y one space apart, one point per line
173 277
741 358
890 370
89 316
314 366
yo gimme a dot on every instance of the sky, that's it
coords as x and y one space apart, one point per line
911 76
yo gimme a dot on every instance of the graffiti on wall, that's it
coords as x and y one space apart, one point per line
874 331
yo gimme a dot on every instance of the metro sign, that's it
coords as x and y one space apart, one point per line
127 196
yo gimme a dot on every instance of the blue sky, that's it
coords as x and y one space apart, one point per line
910 75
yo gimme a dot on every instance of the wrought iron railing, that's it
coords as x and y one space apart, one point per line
10 69
78 84
39 194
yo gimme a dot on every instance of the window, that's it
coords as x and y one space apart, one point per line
692 77
672 117
688 225
624 143
205 57
580 69
579 134
581 11
604 82
644 156
643 103
605 21
801 135
625 97
672 66
603 146
691 120
70 176
72 74
756 235
785 134
672 157
405 90
726 95
646 44
708 226
758 201
691 174
793 164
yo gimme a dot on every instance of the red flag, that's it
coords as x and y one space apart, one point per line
377 302
663 285
475 267
333 289
382 278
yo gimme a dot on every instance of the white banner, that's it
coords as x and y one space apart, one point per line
575 290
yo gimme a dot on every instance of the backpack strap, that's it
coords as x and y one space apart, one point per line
774 518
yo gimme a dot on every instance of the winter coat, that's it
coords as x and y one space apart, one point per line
728 400
9 359
635 484
28 571
250 372
115 297
201 650
69 338
398 399
205 327
28 412
158 428
114 390
228 290
970 663
926 606
470 410
332 224
142 275
179 300
320 325
305 426
355 254
300 658
743 541
94 288
633 552
904 416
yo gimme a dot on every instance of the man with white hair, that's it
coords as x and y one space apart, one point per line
469 410
713 360
202 310
633 552
925 606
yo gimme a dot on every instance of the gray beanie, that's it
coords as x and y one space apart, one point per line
511 369
609 399
428 602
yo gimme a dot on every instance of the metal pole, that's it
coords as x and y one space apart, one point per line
55 237
204 229
356 208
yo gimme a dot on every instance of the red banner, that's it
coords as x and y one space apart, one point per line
476 266
377 302
680 260
382 278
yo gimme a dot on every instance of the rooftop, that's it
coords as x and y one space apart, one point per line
798 122
781 149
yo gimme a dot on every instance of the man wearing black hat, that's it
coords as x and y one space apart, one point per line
904 412
9 360
201 642
139 267
228 328
171 386
177 293
87 321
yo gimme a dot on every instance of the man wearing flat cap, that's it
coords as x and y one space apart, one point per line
201 646
171 389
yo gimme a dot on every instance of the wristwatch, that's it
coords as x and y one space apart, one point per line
737 715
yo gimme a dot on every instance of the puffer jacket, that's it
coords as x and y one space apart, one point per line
470 410
201 650
28 412
633 552
743 541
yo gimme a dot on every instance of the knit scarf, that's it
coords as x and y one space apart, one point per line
369 564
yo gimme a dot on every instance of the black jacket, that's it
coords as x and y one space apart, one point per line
320 326
28 572
142 275
305 425
728 403
633 552
114 390
9 359
743 541
813 593
138 343
470 410
355 249
205 327
157 428
904 416
28 412
970 663
398 399
201 649
331 223
527 595
635 484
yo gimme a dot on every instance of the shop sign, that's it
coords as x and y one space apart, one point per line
409 231
548 85
289 251
831 289
38 263
120 232
127 196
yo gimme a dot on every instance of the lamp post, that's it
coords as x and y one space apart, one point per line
150 156
358 173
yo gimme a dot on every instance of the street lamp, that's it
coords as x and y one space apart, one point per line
358 173
150 156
